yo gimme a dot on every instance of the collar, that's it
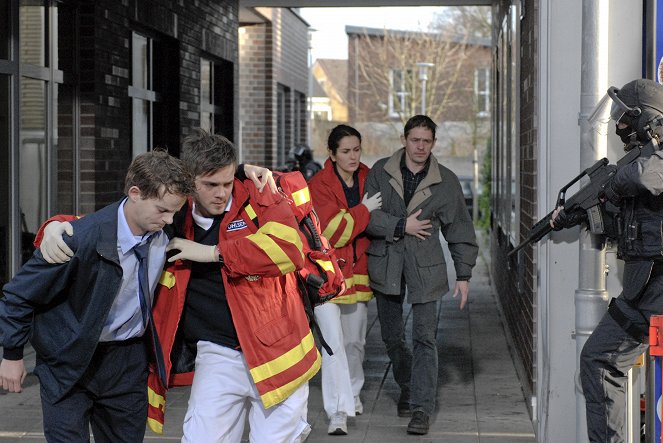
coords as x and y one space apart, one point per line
206 222
404 167
125 238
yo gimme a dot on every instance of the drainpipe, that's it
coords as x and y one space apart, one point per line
591 295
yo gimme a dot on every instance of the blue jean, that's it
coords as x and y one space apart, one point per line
414 371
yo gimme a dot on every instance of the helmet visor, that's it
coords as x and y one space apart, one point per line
601 115
610 107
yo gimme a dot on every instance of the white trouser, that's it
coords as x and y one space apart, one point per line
344 329
223 392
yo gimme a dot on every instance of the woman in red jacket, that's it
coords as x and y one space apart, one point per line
337 192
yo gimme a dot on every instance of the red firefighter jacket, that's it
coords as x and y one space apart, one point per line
344 228
261 246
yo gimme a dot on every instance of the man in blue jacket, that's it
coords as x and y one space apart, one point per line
87 318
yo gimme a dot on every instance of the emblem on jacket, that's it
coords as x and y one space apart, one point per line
236 225
252 277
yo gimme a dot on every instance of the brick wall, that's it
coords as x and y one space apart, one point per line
186 30
516 281
270 54
450 85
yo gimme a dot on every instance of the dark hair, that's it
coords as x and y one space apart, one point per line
204 153
156 173
338 133
419 121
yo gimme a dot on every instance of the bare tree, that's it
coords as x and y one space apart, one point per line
388 83
474 21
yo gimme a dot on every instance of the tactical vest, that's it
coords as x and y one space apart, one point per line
640 228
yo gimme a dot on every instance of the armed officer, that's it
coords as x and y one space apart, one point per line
621 335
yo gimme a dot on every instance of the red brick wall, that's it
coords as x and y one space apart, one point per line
270 54
516 281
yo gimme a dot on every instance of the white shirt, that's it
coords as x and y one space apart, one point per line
125 319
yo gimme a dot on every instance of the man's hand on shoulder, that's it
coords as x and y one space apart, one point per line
12 375
418 228
261 177
53 247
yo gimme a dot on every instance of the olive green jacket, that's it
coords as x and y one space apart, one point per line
420 262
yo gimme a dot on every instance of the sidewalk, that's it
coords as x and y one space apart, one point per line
479 397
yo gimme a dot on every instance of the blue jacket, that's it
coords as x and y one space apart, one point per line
62 309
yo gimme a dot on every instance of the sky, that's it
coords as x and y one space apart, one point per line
329 39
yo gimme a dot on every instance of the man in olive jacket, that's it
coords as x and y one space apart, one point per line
419 199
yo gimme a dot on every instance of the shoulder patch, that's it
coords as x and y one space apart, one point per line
236 225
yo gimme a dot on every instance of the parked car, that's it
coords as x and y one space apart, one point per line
466 183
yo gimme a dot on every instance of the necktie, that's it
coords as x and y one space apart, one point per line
141 251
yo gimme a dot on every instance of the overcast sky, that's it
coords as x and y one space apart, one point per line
330 41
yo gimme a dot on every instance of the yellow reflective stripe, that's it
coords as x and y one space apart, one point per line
276 396
364 295
156 400
302 196
361 279
250 212
349 282
159 402
353 298
167 279
326 265
285 361
347 232
333 224
155 425
272 249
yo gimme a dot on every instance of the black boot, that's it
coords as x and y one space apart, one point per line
419 423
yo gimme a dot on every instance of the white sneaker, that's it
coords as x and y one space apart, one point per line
359 408
338 424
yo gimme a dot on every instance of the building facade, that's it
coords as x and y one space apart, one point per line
87 85
273 86
393 75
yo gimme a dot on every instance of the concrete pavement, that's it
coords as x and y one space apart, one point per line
479 398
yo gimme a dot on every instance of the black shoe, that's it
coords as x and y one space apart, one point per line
404 405
419 423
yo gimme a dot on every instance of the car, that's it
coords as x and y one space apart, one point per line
466 183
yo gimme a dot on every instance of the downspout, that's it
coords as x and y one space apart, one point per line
591 295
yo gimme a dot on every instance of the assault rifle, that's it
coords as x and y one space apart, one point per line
587 197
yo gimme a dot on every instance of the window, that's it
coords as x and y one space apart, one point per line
141 93
282 119
482 91
506 167
5 220
38 132
5 28
400 92
299 118
216 97
154 93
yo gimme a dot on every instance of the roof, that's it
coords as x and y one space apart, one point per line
317 89
336 71
375 32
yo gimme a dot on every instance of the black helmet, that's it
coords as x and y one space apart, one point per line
638 104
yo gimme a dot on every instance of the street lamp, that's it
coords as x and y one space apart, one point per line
423 76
